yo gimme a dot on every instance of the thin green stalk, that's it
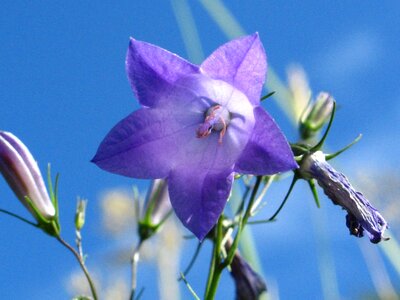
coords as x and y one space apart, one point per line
210 271
215 275
18 217
191 290
82 264
285 199
191 263
134 264
218 267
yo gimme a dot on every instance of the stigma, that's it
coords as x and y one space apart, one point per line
216 119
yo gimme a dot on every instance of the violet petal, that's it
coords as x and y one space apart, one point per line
199 197
241 63
143 145
151 69
249 284
267 151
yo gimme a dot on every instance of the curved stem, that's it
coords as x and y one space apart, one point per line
82 264
18 217
285 199
191 263
134 264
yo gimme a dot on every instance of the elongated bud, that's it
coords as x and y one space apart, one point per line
316 115
157 208
249 284
22 174
361 215
80 214
158 204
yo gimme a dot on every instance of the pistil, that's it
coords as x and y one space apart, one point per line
217 119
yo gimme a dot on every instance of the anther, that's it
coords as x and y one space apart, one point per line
216 119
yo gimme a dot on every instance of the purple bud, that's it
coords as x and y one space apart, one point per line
361 215
22 174
249 284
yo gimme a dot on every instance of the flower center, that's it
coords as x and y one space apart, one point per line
216 119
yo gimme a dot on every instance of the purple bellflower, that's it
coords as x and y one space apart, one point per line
198 125
22 174
361 215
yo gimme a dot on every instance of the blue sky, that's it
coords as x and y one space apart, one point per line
63 86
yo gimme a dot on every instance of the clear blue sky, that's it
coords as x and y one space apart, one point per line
63 86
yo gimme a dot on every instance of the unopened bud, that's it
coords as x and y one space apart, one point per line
22 174
316 115
80 214
249 284
156 210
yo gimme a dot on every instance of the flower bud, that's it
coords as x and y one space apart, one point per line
361 215
157 204
316 115
22 174
157 208
80 214
249 284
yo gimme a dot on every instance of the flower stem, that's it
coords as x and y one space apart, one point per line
82 264
217 267
18 217
285 199
134 264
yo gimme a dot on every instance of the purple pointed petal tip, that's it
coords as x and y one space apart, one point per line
242 63
152 69
267 151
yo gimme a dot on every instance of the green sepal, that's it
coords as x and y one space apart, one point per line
333 155
313 188
319 145
50 226
146 230
53 192
300 149
267 96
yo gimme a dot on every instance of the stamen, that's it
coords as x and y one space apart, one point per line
217 119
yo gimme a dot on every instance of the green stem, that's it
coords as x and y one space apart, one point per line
217 267
285 199
82 264
191 263
242 223
18 217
